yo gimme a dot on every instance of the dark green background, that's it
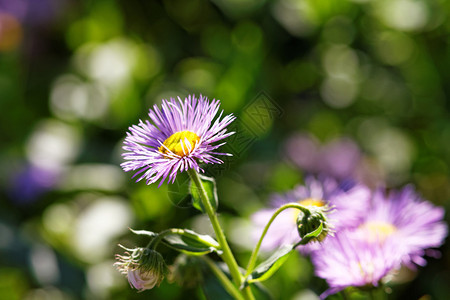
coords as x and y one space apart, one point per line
75 74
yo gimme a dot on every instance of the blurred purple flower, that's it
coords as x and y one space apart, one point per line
347 199
344 261
10 32
396 230
22 21
182 134
339 158
16 8
30 183
33 12
415 224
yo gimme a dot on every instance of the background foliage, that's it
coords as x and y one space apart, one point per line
75 74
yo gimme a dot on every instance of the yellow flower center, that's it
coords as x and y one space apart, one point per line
366 269
180 143
312 202
378 230
308 202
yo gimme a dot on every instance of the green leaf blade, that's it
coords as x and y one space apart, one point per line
191 243
267 268
179 192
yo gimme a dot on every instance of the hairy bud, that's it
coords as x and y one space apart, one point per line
144 268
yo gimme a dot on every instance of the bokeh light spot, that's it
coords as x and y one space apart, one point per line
406 15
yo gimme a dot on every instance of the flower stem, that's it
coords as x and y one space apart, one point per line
344 294
154 242
254 256
377 294
227 255
248 293
227 284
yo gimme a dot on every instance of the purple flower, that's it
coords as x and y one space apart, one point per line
37 12
348 202
31 182
346 260
338 158
414 224
396 230
181 135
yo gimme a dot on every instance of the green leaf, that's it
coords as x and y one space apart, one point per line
192 243
211 286
179 191
209 184
267 268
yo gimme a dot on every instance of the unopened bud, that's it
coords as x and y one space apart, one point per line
312 224
145 268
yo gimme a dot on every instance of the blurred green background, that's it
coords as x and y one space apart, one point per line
75 74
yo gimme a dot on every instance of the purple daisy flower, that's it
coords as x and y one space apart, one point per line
181 135
346 260
414 224
396 230
348 202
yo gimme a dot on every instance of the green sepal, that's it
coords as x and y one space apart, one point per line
191 243
311 235
209 184
316 232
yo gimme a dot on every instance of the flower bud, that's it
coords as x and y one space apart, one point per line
144 267
309 221
143 280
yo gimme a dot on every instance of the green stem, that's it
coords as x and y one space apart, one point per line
248 293
227 255
227 284
345 295
377 294
254 256
154 242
